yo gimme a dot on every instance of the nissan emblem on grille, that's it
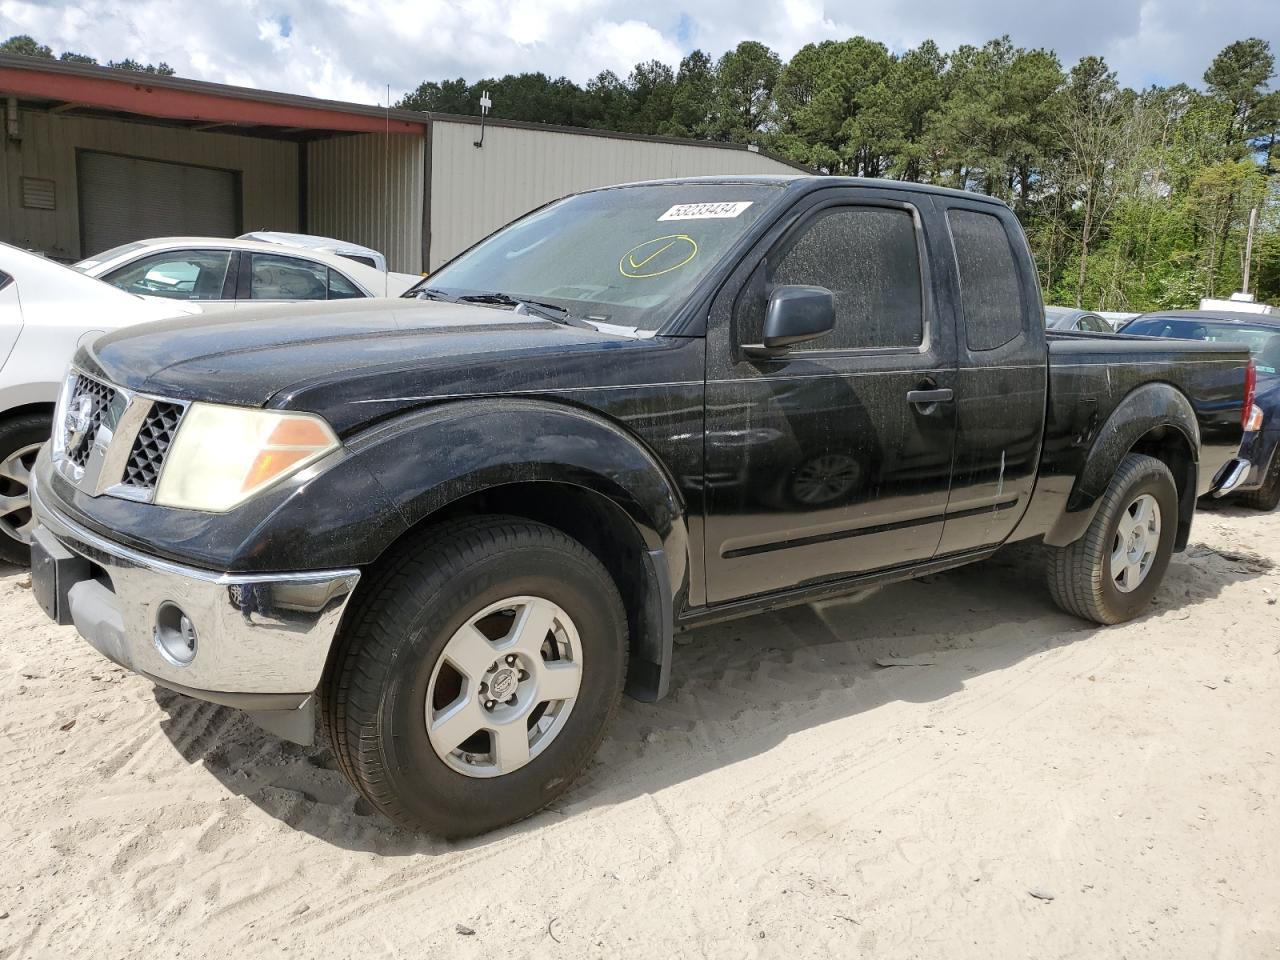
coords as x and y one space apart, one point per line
88 402
78 421
110 440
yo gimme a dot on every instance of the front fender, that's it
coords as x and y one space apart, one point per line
1149 409
433 457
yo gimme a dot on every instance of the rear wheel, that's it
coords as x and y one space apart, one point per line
1111 573
20 440
477 676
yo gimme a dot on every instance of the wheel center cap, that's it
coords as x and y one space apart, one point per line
504 683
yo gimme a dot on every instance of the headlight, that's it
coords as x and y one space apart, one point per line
222 456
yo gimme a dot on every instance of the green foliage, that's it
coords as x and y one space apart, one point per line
23 46
161 69
743 104
692 99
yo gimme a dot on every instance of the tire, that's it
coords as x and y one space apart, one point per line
1081 576
20 439
1267 496
392 655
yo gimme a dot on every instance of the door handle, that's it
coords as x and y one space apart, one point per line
927 397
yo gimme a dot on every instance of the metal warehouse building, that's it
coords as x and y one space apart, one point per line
96 157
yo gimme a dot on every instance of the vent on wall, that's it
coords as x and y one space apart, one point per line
38 194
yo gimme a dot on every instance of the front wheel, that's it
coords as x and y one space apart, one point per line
20 440
477 675
1111 573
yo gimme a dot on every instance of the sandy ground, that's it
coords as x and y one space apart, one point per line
790 799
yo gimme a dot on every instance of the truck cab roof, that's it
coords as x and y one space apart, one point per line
800 183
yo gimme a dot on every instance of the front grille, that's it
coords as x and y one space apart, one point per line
100 396
142 469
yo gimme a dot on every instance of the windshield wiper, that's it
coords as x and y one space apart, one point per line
426 293
538 308
547 311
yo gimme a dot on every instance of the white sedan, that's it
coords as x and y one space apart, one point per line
220 273
46 311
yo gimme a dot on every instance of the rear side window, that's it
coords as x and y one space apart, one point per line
990 291
868 258
287 278
5 279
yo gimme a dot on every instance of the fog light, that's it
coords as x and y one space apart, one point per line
175 635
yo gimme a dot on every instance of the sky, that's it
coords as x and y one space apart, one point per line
352 49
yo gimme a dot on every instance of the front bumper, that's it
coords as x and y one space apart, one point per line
260 640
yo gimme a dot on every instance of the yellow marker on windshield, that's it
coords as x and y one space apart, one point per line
660 255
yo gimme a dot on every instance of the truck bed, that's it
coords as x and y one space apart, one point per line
1091 373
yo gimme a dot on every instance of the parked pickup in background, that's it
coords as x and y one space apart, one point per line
454 526
1260 332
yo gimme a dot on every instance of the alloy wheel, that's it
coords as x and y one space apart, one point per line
16 520
504 686
1136 541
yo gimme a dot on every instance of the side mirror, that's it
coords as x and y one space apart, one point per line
795 314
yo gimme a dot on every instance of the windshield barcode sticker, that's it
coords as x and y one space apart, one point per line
706 211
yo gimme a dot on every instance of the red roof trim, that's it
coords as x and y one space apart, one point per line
133 96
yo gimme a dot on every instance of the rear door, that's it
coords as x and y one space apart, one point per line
1002 382
818 465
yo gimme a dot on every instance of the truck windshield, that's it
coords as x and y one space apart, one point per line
625 256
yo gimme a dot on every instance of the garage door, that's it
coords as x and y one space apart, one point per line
124 199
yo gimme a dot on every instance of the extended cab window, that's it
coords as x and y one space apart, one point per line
176 274
869 259
990 289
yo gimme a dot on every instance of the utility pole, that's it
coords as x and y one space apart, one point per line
1248 248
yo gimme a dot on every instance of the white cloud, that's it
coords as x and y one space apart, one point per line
620 46
348 49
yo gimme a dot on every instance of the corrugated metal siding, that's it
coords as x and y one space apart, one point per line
268 173
476 190
367 189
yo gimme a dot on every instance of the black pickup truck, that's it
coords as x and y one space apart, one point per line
456 526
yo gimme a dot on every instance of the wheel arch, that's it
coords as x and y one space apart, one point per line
556 465
45 407
1155 419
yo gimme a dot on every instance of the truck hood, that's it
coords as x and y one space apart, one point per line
351 361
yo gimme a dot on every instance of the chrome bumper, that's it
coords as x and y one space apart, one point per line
261 640
1231 477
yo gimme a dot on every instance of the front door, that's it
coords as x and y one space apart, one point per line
820 464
